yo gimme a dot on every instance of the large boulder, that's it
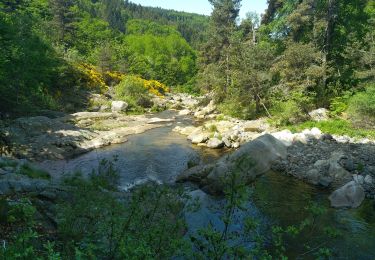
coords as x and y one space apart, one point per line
350 195
119 106
251 160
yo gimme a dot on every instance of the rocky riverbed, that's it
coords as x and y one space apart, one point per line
41 138
339 163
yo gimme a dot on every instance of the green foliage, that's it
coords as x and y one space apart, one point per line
160 53
33 173
96 223
132 90
45 42
362 104
28 65
192 27
286 113
340 104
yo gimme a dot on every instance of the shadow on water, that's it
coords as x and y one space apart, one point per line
283 199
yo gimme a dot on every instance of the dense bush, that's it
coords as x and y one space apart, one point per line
362 104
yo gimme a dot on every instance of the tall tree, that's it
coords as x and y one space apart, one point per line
63 20
222 27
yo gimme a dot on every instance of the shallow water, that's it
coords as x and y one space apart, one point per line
160 155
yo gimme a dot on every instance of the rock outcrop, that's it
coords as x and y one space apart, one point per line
251 160
40 138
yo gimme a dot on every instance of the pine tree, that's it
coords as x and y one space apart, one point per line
222 28
63 20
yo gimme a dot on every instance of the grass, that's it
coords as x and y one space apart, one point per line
335 126
212 128
33 173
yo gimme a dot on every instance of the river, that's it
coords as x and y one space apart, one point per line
161 154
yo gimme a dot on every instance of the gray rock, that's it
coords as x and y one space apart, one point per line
359 179
312 176
251 160
336 171
325 181
119 106
350 195
347 163
215 143
368 179
321 163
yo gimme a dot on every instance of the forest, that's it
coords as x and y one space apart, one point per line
298 56
189 107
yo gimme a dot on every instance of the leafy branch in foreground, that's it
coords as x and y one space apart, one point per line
96 221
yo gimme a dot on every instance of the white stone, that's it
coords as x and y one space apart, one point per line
316 132
299 137
199 138
284 136
236 145
119 106
227 142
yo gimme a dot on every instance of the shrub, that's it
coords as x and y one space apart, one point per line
33 173
362 104
131 89
287 113
91 77
340 104
234 108
135 91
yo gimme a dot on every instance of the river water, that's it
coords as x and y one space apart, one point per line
160 155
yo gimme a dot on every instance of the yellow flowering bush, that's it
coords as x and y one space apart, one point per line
113 77
91 76
155 87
